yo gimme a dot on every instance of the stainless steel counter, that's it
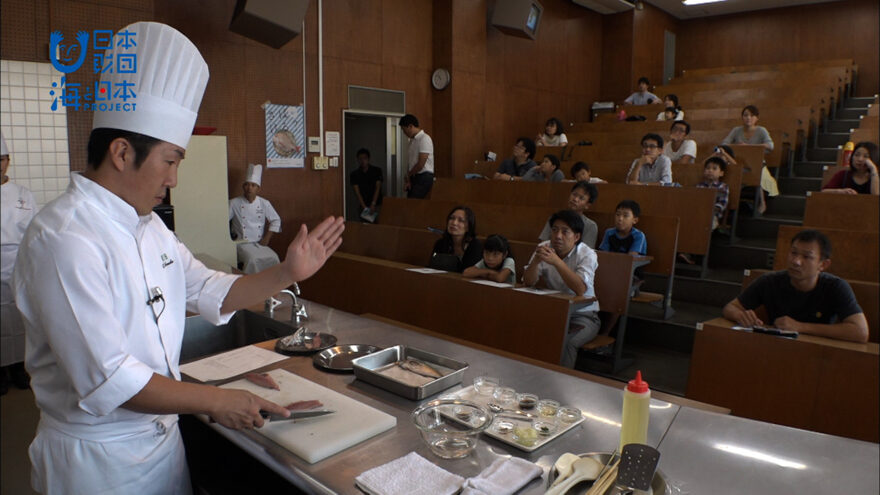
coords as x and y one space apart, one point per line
716 454
692 442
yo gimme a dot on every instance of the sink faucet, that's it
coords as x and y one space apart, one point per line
298 312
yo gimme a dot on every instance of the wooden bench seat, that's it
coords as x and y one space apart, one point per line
842 211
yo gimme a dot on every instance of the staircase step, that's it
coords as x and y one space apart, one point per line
822 154
799 185
812 169
850 113
833 140
766 226
744 254
858 101
786 204
841 125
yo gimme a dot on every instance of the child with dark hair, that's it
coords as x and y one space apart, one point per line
580 172
497 264
670 102
552 135
713 170
624 237
583 194
860 177
546 171
642 96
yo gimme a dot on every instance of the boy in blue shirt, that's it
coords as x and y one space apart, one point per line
624 237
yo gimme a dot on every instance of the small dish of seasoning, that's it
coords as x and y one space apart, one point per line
527 402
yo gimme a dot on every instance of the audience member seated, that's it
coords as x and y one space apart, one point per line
751 133
582 196
565 264
861 175
642 96
552 135
497 264
624 237
713 170
653 167
580 172
547 171
248 215
803 298
679 149
515 167
459 247
670 101
366 180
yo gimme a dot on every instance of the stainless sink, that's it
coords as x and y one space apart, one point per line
201 338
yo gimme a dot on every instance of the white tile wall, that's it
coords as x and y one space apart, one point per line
36 136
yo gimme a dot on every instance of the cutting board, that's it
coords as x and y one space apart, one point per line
314 439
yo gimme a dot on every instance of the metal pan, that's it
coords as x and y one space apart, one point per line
308 343
339 358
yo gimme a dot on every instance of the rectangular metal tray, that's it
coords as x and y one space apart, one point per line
364 367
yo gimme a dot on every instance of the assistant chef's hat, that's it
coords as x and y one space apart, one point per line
168 83
3 149
254 174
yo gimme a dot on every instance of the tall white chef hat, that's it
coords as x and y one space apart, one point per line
3 149
168 83
254 174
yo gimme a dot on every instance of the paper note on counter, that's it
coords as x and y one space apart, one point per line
231 363
492 283
532 290
424 270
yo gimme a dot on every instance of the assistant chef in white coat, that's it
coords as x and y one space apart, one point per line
17 208
248 215
103 287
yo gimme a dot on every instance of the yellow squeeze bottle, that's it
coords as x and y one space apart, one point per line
636 411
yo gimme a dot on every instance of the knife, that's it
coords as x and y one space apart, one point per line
295 415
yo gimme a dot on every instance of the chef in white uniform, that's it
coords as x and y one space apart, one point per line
103 287
248 215
17 208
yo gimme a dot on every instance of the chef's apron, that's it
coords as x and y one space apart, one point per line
255 257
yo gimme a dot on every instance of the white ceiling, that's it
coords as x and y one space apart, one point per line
681 11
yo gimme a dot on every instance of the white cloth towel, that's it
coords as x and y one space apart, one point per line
503 477
411 474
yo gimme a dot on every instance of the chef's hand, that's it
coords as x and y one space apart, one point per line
309 250
240 409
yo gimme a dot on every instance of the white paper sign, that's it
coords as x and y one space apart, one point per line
331 143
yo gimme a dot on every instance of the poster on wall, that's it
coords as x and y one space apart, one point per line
285 136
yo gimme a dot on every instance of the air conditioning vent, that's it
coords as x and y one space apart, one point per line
606 6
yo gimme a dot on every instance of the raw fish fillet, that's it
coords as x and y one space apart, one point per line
263 380
304 405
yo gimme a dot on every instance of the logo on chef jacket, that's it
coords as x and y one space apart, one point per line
166 260
69 57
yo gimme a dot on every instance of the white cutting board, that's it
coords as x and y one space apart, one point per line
314 439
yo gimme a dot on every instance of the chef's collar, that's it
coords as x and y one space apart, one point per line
112 205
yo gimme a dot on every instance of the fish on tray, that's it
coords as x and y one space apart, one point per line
419 368
262 379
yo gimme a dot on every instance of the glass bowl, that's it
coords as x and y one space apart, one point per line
451 427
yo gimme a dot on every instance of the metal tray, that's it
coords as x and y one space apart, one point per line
365 369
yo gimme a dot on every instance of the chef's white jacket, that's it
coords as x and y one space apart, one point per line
249 219
82 284
17 208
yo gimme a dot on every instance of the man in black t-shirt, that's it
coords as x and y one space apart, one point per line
366 180
803 298
521 162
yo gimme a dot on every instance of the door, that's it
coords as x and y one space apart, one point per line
368 132
668 56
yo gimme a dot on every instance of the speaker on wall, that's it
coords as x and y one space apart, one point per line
518 17
271 22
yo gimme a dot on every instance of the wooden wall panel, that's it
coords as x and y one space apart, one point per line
844 29
617 45
649 26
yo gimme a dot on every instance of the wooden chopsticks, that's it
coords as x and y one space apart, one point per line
603 483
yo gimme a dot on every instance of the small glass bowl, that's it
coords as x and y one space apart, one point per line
548 408
525 435
568 414
545 427
485 385
503 426
527 402
504 396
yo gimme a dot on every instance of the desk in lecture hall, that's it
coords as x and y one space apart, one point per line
814 383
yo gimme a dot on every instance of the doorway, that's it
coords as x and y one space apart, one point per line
381 136
668 56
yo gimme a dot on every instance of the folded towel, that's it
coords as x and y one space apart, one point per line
411 474
503 477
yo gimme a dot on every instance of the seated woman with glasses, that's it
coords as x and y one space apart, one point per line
652 168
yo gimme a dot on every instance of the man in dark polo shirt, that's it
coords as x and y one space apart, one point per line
803 298
366 180
521 162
